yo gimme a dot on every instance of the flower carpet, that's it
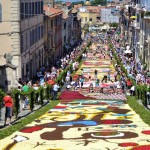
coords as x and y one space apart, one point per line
84 121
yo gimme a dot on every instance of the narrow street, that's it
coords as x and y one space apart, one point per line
86 119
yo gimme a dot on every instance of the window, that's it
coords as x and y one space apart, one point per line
0 12
82 19
52 24
30 9
36 8
22 42
26 41
41 31
65 25
85 19
33 9
26 10
41 7
35 33
30 38
65 39
22 11
90 19
33 37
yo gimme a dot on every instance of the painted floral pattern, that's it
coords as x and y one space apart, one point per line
84 121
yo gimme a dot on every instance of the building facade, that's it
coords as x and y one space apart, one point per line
110 15
53 35
135 23
21 26
31 37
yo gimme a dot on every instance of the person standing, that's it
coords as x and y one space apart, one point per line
8 102
81 81
95 72
55 90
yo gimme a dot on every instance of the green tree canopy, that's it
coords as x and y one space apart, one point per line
98 2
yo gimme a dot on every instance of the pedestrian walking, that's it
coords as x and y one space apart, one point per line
55 91
8 102
95 73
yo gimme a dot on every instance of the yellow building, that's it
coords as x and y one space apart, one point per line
90 14
88 17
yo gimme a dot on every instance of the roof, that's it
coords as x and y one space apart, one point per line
74 10
52 11
94 9
77 6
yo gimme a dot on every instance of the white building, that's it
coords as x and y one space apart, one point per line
109 15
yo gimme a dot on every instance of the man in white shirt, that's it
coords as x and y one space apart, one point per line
55 90
132 90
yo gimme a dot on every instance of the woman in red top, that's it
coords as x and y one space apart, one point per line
129 83
8 102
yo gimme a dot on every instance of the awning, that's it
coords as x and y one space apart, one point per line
133 17
128 52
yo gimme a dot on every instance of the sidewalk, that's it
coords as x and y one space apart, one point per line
21 115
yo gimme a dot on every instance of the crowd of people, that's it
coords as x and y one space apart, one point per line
43 75
134 69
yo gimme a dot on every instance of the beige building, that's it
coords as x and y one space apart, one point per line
53 35
21 31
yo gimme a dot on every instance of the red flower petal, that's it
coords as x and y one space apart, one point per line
146 132
142 147
60 107
111 121
31 129
128 144
72 95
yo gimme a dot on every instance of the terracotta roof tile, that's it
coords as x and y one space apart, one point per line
52 11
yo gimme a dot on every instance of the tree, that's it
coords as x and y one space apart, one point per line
98 2
78 2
